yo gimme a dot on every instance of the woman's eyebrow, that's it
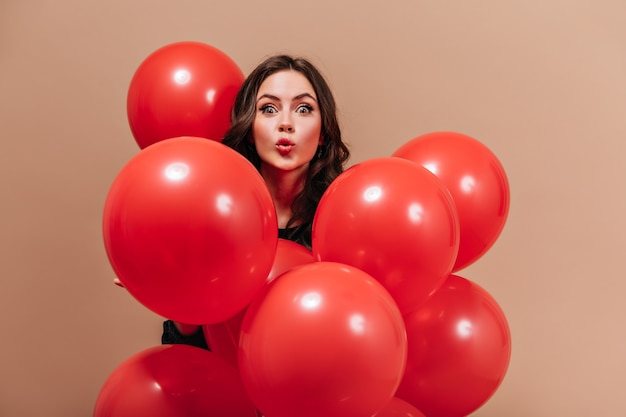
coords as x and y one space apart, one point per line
270 96
298 97
303 95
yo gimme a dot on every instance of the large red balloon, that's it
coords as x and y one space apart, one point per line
174 380
459 347
322 339
399 408
394 220
223 338
182 89
190 230
478 184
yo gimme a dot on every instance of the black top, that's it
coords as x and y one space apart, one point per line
299 234
171 336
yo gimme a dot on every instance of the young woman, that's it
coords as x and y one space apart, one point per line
284 121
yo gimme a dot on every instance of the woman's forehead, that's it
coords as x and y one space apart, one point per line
286 84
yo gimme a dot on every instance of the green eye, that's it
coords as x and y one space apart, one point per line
268 109
305 108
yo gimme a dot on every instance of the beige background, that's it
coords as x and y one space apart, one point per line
541 82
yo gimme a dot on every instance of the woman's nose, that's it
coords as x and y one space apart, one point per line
285 126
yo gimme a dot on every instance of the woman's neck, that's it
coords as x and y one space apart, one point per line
283 186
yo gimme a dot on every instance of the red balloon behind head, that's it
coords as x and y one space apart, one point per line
190 230
182 89
459 347
173 380
477 182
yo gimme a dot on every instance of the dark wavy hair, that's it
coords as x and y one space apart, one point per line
332 154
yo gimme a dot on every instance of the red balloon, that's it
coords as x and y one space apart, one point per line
394 220
399 408
477 182
459 350
322 339
174 380
223 337
182 89
190 230
289 255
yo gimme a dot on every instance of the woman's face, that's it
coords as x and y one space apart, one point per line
287 125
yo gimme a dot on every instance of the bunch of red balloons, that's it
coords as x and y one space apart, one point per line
410 221
372 322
